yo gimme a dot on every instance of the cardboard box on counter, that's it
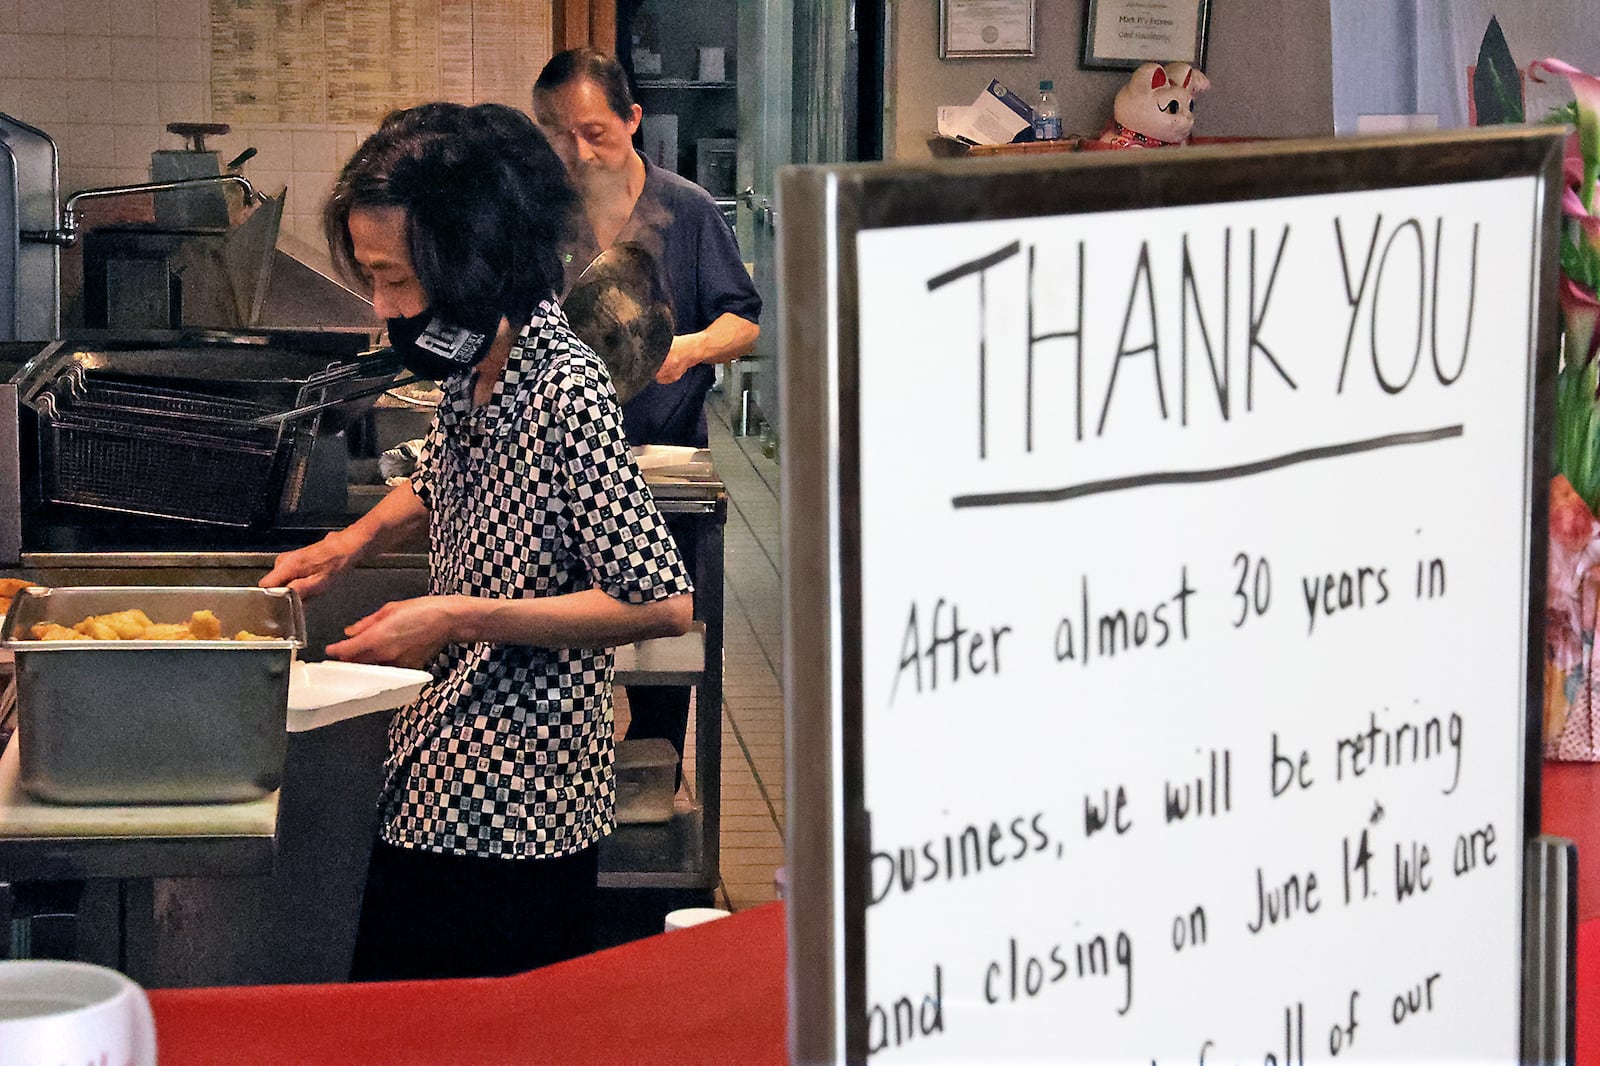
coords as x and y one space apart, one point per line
995 117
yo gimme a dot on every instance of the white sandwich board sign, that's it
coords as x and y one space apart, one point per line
1162 537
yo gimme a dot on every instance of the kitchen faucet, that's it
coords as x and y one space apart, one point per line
71 229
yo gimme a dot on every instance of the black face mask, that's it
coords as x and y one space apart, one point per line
431 348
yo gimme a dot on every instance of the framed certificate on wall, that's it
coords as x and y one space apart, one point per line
975 29
1121 34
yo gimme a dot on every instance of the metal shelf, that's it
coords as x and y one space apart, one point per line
667 854
677 660
672 83
682 852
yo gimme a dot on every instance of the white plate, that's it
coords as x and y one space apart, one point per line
327 692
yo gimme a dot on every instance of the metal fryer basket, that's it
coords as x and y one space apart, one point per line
99 392
180 434
144 449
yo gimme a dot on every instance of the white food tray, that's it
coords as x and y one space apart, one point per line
327 692
662 456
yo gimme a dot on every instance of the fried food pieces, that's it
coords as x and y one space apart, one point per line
123 625
136 625
51 631
9 587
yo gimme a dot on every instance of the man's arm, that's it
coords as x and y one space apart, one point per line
725 294
726 339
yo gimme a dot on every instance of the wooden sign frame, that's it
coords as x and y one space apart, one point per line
823 210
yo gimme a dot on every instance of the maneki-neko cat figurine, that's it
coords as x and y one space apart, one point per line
1156 108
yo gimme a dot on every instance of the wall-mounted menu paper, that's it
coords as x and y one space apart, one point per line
350 62
1194 564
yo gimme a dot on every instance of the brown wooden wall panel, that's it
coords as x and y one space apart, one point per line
581 23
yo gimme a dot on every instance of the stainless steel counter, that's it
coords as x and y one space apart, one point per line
76 875
92 552
296 924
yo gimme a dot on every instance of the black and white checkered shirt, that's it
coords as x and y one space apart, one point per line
508 751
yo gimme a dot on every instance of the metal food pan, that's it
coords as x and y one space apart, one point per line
153 721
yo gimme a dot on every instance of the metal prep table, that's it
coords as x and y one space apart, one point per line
683 853
95 866
331 771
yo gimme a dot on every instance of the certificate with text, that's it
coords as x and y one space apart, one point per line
1125 33
974 28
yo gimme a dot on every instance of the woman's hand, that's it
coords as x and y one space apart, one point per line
403 633
310 570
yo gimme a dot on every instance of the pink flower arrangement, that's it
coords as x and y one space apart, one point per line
1577 429
1580 253
1572 662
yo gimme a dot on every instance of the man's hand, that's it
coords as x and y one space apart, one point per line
726 339
683 355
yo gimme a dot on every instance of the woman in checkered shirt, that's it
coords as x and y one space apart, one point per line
545 551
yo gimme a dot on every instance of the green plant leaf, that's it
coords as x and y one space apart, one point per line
1496 83
1581 263
1577 431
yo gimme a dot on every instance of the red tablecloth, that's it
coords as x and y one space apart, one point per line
709 994
1571 793
706 995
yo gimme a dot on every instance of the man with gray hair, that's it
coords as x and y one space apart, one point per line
583 105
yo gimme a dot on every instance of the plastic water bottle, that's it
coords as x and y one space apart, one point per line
1046 114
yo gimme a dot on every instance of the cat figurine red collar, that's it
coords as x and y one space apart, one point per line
1156 108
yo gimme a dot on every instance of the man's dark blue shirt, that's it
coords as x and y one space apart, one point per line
681 225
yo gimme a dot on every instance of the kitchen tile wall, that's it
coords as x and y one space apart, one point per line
104 77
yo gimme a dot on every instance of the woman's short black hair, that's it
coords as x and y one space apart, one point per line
604 71
486 200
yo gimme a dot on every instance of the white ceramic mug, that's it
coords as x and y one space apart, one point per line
687 916
72 1012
